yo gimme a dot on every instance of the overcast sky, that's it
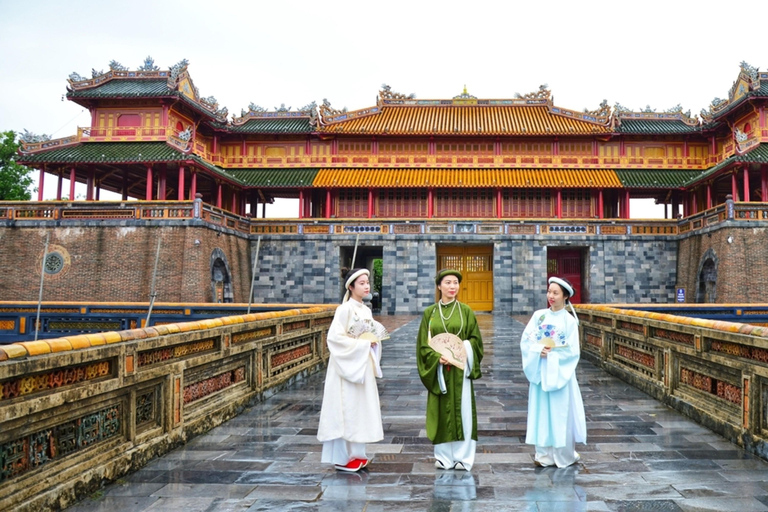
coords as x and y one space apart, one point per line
657 53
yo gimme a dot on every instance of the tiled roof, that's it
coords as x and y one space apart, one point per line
274 177
486 178
463 120
126 89
758 155
108 152
655 178
117 153
277 125
655 126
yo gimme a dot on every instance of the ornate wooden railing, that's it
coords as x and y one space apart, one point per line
714 371
19 211
80 410
122 133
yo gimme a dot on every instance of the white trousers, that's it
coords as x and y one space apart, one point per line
340 452
460 451
561 457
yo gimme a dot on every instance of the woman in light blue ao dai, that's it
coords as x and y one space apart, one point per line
551 351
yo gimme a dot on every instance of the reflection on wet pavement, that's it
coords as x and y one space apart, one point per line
641 455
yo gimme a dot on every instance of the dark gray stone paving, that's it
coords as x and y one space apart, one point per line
641 455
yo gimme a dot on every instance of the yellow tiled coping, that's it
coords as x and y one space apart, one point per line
81 341
718 325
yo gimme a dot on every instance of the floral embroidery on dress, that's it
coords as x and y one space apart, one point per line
548 334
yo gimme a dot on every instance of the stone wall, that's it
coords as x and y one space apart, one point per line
80 411
617 269
713 371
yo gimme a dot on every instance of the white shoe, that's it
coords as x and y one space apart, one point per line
460 466
440 465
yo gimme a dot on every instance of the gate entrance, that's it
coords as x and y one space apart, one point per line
566 263
475 262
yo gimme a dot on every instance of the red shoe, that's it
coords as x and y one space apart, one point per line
365 462
352 466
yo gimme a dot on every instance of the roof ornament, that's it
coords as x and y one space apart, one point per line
706 115
186 135
252 107
603 110
309 107
647 109
76 77
542 94
326 110
149 65
386 93
30 137
751 71
282 108
465 95
621 109
177 69
95 73
116 66
740 135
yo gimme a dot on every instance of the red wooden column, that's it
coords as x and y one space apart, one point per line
734 186
746 183
150 184
600 210
98 189
430 203
370 203
233 205
163 183
559 204
694 202
626 204
59 185
499 206
89 185
709 196
301 203
686 204
764 184
181 183
193 186
42 181
218 196
328 205
72 181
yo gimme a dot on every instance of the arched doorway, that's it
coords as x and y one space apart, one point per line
706 285
221 278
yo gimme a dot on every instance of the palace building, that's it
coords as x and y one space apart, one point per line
507 190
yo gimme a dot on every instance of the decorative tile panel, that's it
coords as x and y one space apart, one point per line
37 449
28 384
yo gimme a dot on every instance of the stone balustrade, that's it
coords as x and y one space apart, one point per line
81 410
715 372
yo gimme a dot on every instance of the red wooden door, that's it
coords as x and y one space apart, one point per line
566 264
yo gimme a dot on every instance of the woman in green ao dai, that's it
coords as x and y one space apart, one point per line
451 411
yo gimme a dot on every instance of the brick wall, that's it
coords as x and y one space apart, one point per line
115 263
742 265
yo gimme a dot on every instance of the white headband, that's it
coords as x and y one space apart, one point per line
567 288
351 279
562 283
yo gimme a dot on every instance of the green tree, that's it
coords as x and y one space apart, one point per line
378 270
15 179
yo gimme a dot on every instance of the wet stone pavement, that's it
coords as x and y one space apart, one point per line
641 455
